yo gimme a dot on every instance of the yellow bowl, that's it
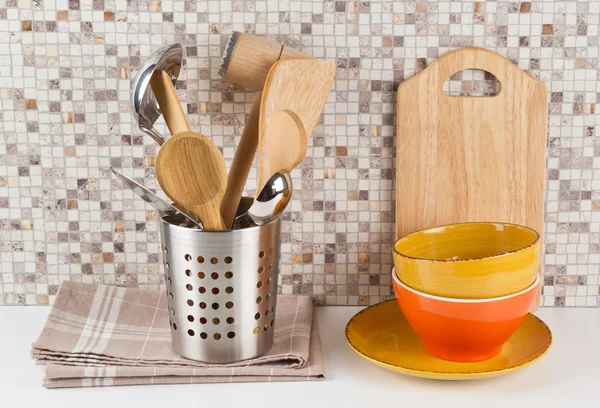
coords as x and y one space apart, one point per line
475 260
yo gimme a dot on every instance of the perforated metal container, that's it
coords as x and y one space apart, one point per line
221 290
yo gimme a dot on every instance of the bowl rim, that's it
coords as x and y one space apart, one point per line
523 248
458 300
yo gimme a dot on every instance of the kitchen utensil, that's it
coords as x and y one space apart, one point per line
468 158
189 167
144 107
466 330
469 260
381 334
241 164
155 201
269 203
247 59
282 148
191 171
222 290
169 102
300 86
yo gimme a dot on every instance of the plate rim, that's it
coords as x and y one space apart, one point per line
456 375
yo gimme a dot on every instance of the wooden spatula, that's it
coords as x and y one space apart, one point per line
282 147
297 85
189 167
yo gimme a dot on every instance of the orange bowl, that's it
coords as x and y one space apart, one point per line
465 330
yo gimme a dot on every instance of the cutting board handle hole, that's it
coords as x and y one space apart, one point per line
472 82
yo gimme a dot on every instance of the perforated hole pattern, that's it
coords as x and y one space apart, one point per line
267 291
210 284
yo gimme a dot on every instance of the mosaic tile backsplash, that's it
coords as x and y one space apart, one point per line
65 72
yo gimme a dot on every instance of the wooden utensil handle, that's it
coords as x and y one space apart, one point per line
170 105
242 162
210 215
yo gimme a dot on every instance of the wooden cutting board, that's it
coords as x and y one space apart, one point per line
470 158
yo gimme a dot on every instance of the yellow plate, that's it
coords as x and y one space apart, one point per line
381 334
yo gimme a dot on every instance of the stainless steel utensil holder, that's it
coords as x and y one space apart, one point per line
221 290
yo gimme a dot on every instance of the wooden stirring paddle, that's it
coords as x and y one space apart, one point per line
189 167
282 147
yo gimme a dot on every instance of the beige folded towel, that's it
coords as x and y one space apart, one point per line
106 335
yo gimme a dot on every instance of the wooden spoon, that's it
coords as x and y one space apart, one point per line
189 167
282 148
191 171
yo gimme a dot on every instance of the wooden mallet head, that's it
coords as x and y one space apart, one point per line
247 59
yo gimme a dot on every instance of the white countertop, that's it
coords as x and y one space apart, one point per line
569 374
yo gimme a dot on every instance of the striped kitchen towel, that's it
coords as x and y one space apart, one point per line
106 335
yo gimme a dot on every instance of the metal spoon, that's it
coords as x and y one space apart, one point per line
269 204
144 108
155 201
